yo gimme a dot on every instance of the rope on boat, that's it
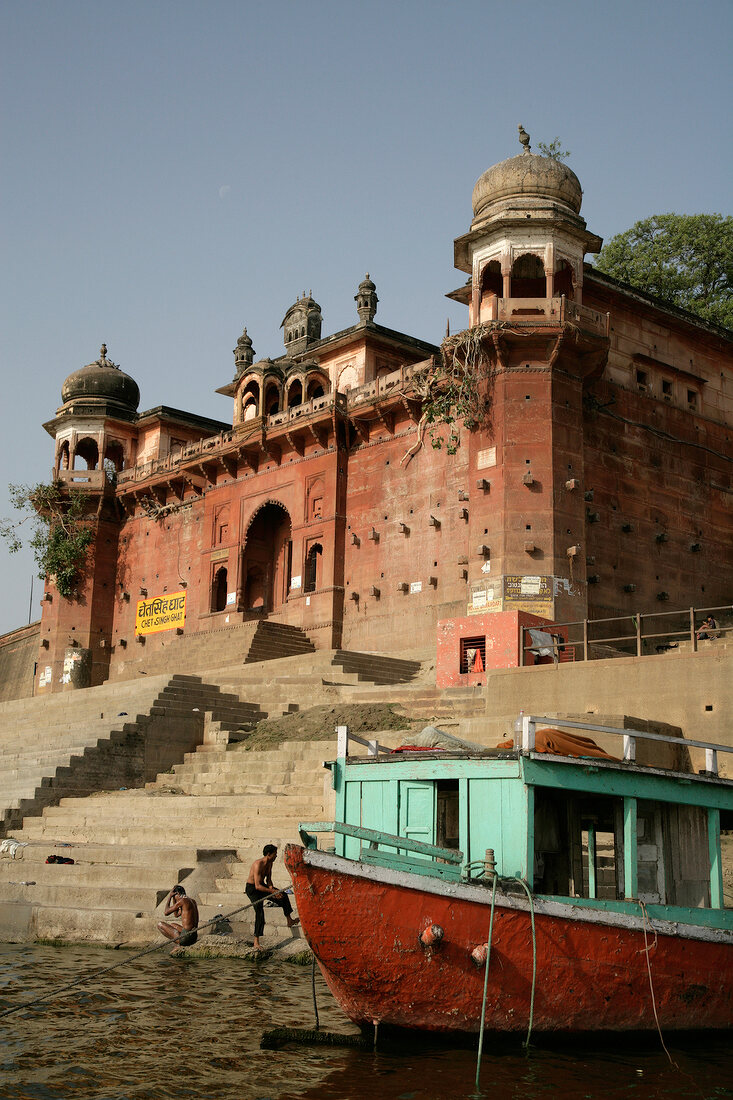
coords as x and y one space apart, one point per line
486 984
645 921
313 988
133 958
528 892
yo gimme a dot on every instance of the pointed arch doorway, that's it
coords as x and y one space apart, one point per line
267 559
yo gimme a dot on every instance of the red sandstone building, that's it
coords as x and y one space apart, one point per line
598 484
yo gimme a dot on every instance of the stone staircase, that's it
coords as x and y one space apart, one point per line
248 642
202 823
104 738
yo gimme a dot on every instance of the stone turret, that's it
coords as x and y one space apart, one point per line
527 238
302 325
366 299
243 353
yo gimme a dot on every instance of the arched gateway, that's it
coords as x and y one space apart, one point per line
267 559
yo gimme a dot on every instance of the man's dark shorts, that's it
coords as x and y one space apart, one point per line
187 939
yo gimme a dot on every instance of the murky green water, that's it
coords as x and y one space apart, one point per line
163 1027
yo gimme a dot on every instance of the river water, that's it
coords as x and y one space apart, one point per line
191 1028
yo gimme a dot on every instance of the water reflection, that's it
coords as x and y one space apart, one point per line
176 1028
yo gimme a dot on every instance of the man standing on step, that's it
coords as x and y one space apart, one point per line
259 887
177 904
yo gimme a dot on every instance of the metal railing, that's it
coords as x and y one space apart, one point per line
638 635
529 724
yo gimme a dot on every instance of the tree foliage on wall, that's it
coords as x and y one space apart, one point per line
686 259
59 531
454 390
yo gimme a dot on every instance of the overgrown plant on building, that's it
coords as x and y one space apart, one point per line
59 531
553 149
454 390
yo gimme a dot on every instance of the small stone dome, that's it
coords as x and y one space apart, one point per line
104 381
528 176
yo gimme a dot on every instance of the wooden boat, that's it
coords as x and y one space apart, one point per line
569 893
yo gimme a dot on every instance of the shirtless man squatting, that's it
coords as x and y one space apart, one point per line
177 904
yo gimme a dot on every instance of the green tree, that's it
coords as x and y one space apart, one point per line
686 259
59 531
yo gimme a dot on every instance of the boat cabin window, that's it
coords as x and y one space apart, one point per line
579 849
575 851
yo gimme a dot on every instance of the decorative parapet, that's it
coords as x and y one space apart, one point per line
81 479
539 311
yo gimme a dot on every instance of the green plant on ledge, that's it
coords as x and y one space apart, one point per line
60 533
454 390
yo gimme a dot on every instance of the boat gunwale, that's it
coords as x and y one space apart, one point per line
583 910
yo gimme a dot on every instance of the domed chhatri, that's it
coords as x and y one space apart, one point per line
366 299
244 353
526 177
102 381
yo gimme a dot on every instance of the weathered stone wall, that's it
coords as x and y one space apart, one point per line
693 691
18 655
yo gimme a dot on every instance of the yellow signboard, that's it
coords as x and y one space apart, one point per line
160 613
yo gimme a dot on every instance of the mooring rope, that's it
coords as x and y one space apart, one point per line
313 988
124 962
486 984
645 921
530 898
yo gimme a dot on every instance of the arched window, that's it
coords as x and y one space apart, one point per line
491 280
219 590
528 277
88 451
563 281
250 401
295 394
115 454
272 400
63 459
313 561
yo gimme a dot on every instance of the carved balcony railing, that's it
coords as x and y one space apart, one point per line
539 311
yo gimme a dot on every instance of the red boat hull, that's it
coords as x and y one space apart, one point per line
363 924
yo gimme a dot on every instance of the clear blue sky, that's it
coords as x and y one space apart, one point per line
173 171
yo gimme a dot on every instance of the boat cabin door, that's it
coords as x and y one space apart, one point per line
417 810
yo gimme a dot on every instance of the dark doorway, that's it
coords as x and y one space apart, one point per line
266 559
219 590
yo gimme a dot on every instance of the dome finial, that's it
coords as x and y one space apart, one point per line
524 138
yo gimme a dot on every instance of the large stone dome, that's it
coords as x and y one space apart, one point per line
102 382
527 177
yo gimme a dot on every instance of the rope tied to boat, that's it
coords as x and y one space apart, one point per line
486 982
133 958
646 920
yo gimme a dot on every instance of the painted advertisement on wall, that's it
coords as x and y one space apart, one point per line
529 593
161 613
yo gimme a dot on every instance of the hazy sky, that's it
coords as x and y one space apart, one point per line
174 171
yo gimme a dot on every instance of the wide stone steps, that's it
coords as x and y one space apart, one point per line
37 766
131 846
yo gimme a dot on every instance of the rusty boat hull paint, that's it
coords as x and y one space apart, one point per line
363 923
